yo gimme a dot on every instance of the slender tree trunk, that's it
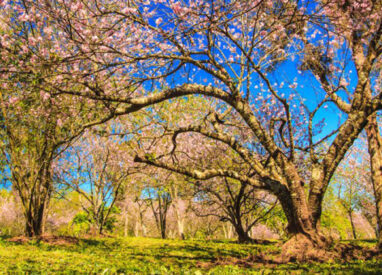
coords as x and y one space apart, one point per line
230 231
181 228
136 229
100 231
163 233
142 225
125 223
163 225
227 229
352 224
179 221
375 150
178 215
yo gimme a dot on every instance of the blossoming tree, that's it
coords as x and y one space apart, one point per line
247 55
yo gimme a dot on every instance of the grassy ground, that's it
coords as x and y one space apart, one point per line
155 256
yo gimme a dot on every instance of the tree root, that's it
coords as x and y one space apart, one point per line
303 248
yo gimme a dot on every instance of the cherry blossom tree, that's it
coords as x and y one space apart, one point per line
11 215
349 191
94 168
361 162
134 54
36 123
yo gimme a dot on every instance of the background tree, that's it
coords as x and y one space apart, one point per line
11 214
181 195
159 200
37 124
231 201
94 168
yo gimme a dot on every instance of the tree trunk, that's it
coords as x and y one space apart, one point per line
181 228
125 224
227 230
305 242
243 236
375 150
163 233
179 221
35 197
296 211
34 221
136 229
163 226
352 225
144 230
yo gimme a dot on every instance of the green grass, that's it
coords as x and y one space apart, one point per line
155 256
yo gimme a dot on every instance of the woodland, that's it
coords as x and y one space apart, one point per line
179 136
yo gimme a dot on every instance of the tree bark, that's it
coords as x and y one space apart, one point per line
125 223
180 223
35 206
243 236
163 225
305 238
34 221
352 225
100 231
375 150
296 210
227 229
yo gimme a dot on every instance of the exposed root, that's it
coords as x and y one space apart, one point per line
302 248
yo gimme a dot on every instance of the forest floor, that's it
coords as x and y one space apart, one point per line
156 256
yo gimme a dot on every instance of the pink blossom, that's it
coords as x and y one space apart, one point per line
45 96
59 122
158 21
13 100
263 33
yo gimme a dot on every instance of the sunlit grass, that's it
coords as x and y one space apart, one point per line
156 256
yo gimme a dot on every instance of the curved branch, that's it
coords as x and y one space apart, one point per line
244 153
201 175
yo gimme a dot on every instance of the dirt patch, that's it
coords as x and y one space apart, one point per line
49 239
19 239
59 240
